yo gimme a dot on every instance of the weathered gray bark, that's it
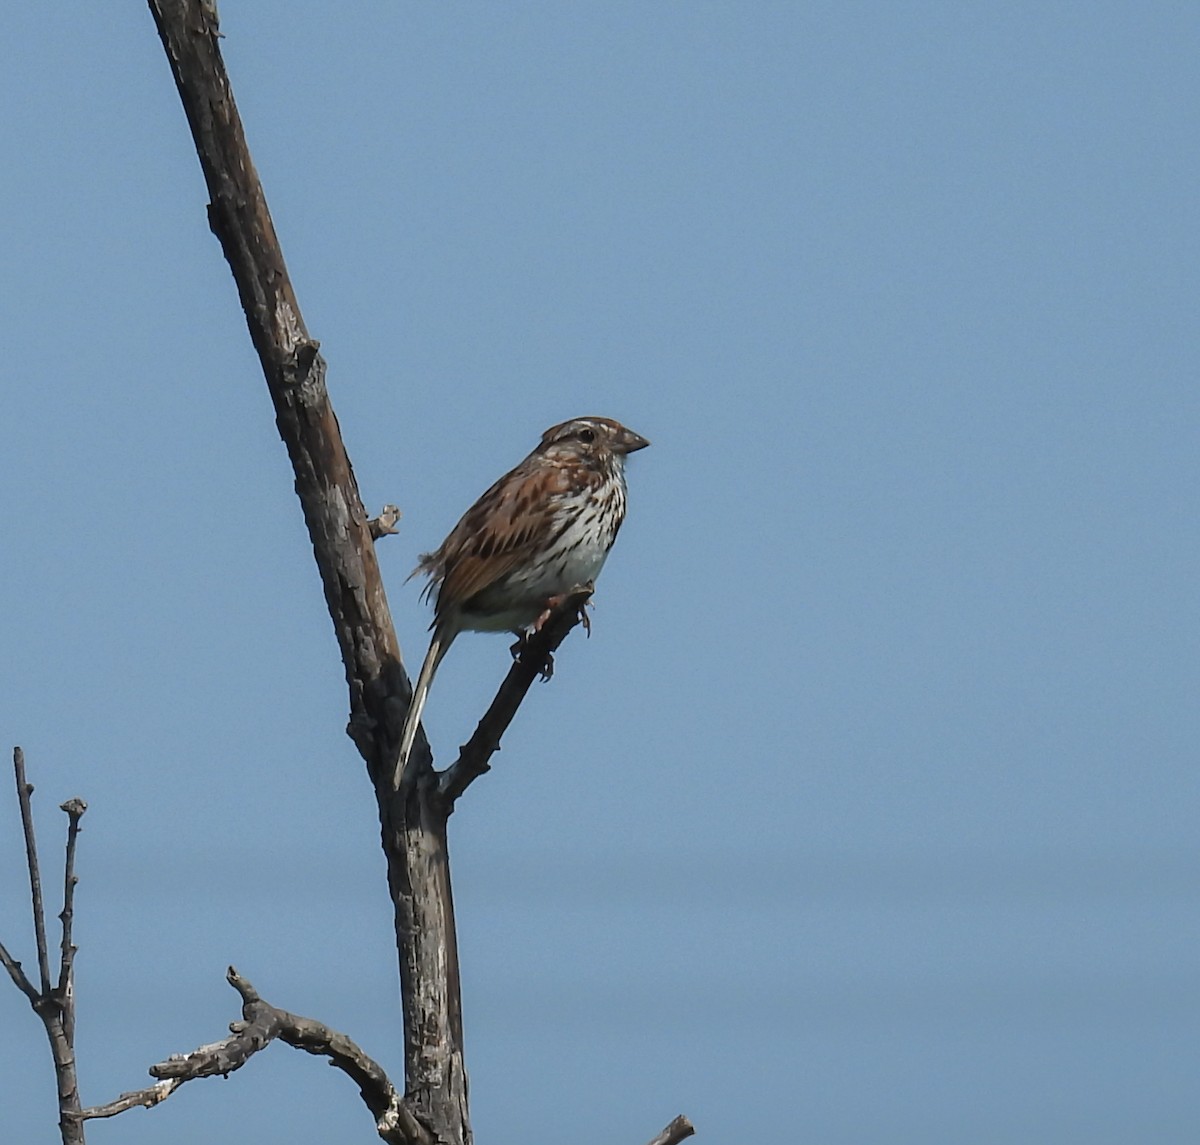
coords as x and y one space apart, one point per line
52 1001
261 1024
414 819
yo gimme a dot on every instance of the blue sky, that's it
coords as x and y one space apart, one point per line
868 812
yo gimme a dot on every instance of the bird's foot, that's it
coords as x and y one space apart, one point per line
520 648
554 602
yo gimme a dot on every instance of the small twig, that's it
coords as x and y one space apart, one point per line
679 1130
148 1097
66 977
474 755
383 525
345 555
20 980
261 1024
55 1006
24 791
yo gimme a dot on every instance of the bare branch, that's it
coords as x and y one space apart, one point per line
292 366
474 755
384 524
413 821
24 793
413 824
54 1006
257 1029
20 980
66 974
148 1098
261 1024
679 1130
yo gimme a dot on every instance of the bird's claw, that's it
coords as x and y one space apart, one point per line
521 646
555 601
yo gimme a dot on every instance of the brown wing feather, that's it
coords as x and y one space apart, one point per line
501 531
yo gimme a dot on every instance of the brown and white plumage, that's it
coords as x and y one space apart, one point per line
543 529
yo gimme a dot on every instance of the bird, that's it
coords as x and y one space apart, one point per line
541 531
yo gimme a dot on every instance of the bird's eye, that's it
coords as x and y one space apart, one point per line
587 435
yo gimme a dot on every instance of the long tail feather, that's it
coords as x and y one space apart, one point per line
438 646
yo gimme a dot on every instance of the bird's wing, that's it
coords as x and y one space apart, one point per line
505 528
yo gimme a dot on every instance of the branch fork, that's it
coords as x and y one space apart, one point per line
413 820
53 1000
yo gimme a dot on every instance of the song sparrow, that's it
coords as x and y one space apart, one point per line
541 531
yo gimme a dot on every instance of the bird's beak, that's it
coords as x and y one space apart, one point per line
630 442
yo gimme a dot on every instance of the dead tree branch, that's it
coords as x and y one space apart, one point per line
413 820
474 755
53 1004
66 975
413 825
385 524
261 1024
679 1130
25 798
433 1107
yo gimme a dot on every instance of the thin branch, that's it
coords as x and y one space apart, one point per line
261 1024
679 1130
148 1098
413 825
384 524
20 980
66 976
292 366
413 821
24 792
54 1007
474 755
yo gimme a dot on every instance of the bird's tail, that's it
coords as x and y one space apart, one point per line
438 646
